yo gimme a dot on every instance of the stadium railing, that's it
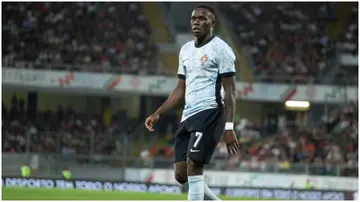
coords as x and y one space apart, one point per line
53 162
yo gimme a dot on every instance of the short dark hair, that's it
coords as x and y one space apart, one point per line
207 7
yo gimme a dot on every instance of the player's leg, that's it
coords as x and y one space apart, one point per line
195 167
196 180
180 169
181 148
180 165
201 149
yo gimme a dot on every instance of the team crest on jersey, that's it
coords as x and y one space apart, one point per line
203 59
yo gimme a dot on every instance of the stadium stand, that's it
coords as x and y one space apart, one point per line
64 131
293 41
83 36
110 37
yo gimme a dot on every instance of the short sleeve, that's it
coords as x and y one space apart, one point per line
181 72
226 62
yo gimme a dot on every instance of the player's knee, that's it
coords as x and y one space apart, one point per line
194 167
181 177
180 169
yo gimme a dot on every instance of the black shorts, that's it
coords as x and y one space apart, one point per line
198 136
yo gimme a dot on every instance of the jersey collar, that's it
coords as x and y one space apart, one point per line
199 46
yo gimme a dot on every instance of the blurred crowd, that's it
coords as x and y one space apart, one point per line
86 36
290 41
63 131
348 42
283 41
333 142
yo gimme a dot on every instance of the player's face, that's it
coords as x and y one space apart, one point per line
201 22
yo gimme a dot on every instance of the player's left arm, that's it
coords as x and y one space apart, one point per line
227 74
229 99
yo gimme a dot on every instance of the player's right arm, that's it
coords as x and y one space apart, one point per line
175 97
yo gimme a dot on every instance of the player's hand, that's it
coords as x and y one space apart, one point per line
151 120
231 141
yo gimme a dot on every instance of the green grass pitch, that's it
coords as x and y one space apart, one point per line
70 194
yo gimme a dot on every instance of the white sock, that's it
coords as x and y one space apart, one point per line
196 188
208 194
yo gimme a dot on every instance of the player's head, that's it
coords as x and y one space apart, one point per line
202 20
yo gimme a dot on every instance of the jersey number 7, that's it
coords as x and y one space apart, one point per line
198 136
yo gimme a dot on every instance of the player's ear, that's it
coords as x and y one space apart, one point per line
213 23
213 20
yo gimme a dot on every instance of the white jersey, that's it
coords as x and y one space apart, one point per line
202 68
